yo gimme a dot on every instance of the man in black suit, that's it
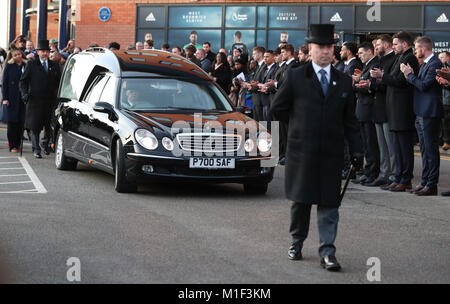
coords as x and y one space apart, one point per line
400 114
209 54
288 62
364 113
258 56
38 86
352 63
383 49
429 111
268 76
349 52
318 102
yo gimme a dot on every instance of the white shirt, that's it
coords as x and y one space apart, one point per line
261 62
318 68
42 62
428 58
347 62
290 60
370 60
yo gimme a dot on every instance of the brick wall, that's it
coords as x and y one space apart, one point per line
52 22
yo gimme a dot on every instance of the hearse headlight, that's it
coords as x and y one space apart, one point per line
146 139
167 143
264 141
249 145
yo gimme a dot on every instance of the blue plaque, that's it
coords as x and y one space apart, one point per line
104 14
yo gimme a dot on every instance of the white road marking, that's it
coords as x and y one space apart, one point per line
19 168
4 163
22 182
13 175
37 183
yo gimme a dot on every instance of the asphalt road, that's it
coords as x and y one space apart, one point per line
174 233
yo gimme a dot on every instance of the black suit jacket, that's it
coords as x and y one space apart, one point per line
349 69
266 76
316 123
364 106
39 89
379 107
399 94
258 77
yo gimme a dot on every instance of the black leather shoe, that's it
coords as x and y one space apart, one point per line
360 180
376 183
330 263
37 155
446 193
295 252
282 161
46 151
369 180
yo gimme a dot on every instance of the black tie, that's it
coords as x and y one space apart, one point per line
45 66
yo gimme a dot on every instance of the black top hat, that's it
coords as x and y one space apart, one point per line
322 34
43 45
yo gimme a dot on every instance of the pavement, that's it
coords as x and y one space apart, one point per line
176 233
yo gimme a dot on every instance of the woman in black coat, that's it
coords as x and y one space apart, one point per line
221 72
13 108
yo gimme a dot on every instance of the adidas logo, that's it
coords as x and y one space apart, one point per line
150 17
442 18
336 18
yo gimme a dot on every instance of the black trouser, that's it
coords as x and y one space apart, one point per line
258 112
446 125
372 151
327 223
404 153
35 135
283 138
14 133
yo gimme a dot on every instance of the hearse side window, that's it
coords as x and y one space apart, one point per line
96 89
76 73
109 92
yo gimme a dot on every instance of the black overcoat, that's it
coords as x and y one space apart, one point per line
379 108
39 89
14 112
317 126
400 94
366 97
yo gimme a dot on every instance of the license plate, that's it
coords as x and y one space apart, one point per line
211 163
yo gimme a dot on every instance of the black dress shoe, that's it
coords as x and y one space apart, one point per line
37 155
446 193
369 180
282 161
330 263
295 252
376 183
360 180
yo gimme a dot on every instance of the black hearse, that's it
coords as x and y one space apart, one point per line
152 115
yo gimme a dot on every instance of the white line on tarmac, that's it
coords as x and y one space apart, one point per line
4 163
37 183
23 182
20 168
13 175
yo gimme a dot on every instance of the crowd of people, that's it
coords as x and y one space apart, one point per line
401 90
